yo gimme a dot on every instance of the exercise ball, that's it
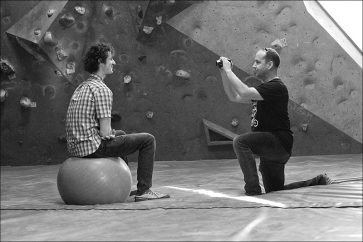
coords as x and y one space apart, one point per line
90 181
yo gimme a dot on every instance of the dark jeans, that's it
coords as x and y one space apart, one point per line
125 144
273 158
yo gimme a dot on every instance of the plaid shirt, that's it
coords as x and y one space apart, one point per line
91 101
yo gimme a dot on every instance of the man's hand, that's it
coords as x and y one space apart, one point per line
108 137
111 136
227 64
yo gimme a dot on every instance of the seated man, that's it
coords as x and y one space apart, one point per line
88 123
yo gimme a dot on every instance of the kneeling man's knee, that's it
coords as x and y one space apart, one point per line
150 137
239 141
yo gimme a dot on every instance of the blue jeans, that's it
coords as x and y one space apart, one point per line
125 144
273 158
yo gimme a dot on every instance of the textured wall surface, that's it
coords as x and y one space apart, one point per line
320 75
169 49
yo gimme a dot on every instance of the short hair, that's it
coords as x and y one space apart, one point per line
95 55
272 55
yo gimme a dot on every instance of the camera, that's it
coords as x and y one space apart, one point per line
219 63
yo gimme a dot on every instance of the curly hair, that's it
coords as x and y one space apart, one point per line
95 55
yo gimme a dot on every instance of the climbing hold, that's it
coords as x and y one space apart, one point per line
3 94
25 102
158 20
58 73
108 11
141 57
80 10
61 54
7 68
50 12
304 127
182 74
279 43
20 142
149 114
49 39
127 79
66 20
115 116
139 11
283 42
148 30
37 32
234 122
71 67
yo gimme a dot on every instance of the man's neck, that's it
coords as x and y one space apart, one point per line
271 76
100 74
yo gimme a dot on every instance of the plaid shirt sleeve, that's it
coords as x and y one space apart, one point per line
103 103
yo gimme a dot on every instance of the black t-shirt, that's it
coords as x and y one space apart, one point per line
271 114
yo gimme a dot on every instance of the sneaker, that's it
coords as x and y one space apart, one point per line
324 180
133 193
150 195
252 194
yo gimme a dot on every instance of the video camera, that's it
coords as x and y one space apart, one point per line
219 63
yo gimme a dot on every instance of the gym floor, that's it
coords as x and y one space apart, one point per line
207 203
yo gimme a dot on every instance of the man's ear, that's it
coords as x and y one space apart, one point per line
270 64
100 62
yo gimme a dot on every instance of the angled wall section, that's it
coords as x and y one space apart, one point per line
56 31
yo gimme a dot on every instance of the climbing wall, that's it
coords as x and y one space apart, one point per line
42 42
321 77
165 81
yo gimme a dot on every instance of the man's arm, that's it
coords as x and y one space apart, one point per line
106 131
231 93
236 90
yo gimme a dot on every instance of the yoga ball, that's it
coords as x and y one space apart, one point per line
90 181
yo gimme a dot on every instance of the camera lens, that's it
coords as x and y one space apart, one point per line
219 63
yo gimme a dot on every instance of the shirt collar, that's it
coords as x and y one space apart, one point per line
95 77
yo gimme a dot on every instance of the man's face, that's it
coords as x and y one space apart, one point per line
107 67
260 66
